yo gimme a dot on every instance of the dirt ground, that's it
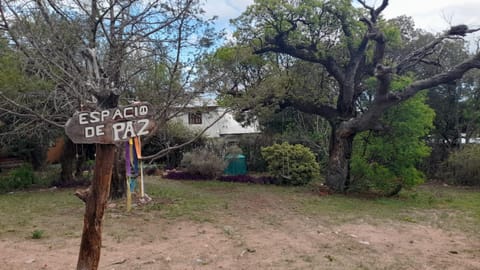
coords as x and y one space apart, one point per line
258 234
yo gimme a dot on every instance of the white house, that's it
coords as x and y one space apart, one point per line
199 116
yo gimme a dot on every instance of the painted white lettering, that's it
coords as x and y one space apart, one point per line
105 113
143 110
117 127
128 112
100 130
117 114
129 130
94 117
83 119
89 132
143 130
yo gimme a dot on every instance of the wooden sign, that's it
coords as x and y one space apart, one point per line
112 125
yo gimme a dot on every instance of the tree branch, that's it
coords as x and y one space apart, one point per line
418 55
369 119
323 110
163 152
302 53
32 112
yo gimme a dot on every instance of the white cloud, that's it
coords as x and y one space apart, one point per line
431 15
226 9
436 15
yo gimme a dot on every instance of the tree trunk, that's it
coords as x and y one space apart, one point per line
118 186
96 201
67 161
81 154
338 169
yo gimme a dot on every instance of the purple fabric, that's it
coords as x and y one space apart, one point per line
135 161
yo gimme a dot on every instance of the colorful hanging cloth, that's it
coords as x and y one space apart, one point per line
138 147
127 160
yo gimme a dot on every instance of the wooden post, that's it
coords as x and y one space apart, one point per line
105 128
96 201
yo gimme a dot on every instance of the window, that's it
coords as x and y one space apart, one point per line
195 118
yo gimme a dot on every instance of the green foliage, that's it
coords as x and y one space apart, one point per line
291 164
14 78
25 177
251 147
37 234
203 162
300 23
18 178
463 166
175 133
233 150
386 161
296 127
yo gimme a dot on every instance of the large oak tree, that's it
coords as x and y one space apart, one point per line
348 41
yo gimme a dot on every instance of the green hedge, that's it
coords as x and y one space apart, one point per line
291 164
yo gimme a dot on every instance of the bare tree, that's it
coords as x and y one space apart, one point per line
94 51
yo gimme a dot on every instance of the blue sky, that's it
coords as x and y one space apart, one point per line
431 15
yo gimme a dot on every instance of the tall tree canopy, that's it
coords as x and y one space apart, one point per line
352 45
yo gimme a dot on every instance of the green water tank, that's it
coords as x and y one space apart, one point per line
237 165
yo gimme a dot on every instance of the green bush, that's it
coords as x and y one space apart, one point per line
203 162
18 178
37 234
385 162
463 167
251 146
291 164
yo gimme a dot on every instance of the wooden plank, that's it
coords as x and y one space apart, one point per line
112 125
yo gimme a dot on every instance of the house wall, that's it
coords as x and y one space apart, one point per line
55 152
225 126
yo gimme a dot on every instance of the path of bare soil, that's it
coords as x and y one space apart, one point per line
257 234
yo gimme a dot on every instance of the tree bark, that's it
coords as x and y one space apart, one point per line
81 153
338 169
96 201
68 157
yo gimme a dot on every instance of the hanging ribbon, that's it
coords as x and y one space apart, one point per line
127 160
135 162
128 172
132 154
138 148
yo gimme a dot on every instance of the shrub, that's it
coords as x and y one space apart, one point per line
180 175
463 167
251 146
291 164
204 163
248 179
37 234
18 178
175 133
385 162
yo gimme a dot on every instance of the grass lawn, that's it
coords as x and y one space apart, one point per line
447 207
252 220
